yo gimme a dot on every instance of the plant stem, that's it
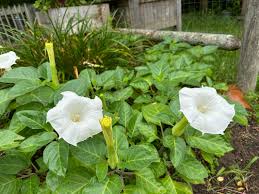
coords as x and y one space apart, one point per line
54 73
178 129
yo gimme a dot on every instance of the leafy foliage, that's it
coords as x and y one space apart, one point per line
144 105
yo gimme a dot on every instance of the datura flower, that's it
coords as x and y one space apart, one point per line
76 118
7 60
205 110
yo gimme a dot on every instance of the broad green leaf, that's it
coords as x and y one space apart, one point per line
37 141
20 74
192 169
149 131
43 95
214 144
79 86
145 179
9 184
90 151
55 156
159 69
16 125
9 139
44 71
33 119
138 157
145 98
207 50
101 170
53 180
4 100
89 76
169 185
178 150
158 113
75 181
133 189
241 115
182 188
175 108
23 87
125 112
12 163
135 119
42 167
30 185
120 138
43 189
140 84
112 185
123 94
158 168
106 78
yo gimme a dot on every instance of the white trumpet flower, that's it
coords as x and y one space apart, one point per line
76 118
205 110
7 60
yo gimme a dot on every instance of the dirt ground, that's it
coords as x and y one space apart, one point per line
246 144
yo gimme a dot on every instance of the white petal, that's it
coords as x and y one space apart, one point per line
89 112
215 119
7 60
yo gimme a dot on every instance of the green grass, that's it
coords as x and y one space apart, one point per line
227 61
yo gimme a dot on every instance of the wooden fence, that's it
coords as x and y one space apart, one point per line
14 17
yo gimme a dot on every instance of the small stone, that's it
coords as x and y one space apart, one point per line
220 179
240 188
239 183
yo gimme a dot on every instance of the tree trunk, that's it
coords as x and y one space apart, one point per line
249 60
223 41
244 7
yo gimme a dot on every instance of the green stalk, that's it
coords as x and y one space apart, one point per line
53 68
178 129
106 124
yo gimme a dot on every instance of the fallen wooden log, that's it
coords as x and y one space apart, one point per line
223 41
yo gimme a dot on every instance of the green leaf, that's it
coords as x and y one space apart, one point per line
158 168
20 74
43 95
112 185
33 119
55 156
4 100
90 151
101 170
145 179
149 131
9 139
175 108
134 122
89 76
207 50
35 142
12 163
23 87
158 113
178 149
169 185
140 84
125 112
133 189
138 157
145 98
241 115
182 188
16 125
120 138
53 180
121 95
79 86
44 71
30 185
159 69
192 169
214 144
9 184
75 181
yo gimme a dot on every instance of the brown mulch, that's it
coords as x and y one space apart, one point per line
246 144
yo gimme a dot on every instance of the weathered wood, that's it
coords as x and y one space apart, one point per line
224 41
249 61
179 15
244 7
204 5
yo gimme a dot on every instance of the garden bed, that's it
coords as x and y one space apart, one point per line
246 146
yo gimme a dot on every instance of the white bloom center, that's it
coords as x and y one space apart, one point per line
75 117
205 110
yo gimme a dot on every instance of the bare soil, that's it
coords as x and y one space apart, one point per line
245 141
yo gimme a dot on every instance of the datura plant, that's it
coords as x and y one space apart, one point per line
130 131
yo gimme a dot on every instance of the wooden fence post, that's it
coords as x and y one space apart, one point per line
249 60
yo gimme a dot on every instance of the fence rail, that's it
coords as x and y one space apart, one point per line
14 17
